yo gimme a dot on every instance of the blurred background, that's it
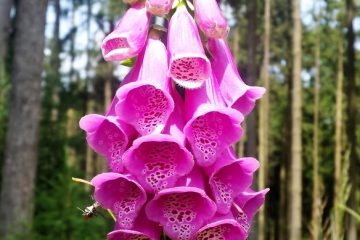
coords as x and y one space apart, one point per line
52 73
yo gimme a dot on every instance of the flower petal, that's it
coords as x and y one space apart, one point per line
236 93
225 229
181 211
189 66
159 7
108 137
158 161
122 195
210 19
147 104
129 36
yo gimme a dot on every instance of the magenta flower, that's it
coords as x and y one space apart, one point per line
159 7
212 127
189 66
223 228
158 161
156 184
210 19
118 192
143 229
246 205
236 93
129 36
146 103
181 211
108 136
229 177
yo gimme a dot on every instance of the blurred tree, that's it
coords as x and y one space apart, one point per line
251 75
338 165
351 116
295 198
316 217
18 177
264 116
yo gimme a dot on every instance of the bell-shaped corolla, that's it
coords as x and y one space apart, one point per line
189 66
129 36
121 194
221 227
146 104
246 205
229 177
182 211
210 19
212 127
143 229
235 92
108 136
159 7
159 160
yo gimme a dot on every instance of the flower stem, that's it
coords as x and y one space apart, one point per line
79 180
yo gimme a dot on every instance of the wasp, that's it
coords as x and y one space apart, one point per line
90 211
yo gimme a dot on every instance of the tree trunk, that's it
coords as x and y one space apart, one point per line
251 140
316 191
90 104
264 118
19 171
55 64
338 221
351 119
295 201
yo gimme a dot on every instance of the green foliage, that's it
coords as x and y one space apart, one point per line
57 216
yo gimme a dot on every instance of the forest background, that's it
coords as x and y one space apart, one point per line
305 131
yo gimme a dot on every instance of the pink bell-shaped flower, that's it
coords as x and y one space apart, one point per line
107 136
221 227
129 36
210 19
246 205
143 229
229 177
159 160
124 196
212 127
189 66
146 104
181 211
236 93
159 7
